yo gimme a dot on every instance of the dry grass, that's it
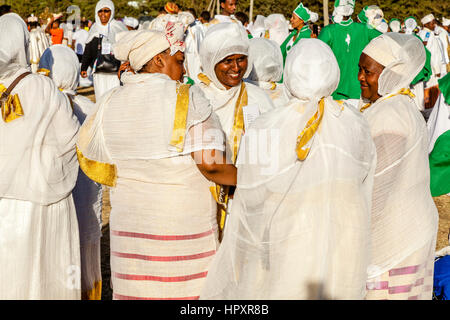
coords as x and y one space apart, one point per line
442 204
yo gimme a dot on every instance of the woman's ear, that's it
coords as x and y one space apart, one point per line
159 61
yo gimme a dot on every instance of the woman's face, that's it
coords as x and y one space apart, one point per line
231 70
369 72
296 22
173 65
104 14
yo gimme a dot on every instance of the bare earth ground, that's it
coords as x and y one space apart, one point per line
442 204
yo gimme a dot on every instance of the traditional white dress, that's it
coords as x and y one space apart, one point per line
163 224
61 64
39 240
38 43
299 228
404 217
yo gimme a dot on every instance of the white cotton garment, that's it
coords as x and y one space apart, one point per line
267 69
277 26
299 229
163 218
38 43
39 240
404 216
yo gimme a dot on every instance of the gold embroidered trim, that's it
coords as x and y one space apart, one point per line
103 173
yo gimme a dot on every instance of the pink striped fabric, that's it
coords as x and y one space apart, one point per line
163 258
161 237
158 278
404 270
122 297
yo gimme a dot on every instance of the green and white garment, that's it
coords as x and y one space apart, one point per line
439 147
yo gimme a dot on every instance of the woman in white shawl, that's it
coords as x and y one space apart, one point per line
61 64
39 240
404 216
267 69
300 221
225 59
104 28
163 224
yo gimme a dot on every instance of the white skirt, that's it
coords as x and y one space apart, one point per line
39 250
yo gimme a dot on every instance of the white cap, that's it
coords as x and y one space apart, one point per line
445 22
427 18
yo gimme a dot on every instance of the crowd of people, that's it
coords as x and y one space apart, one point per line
267 159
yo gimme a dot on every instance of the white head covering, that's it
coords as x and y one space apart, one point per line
64 67
267 60
427 18
258 28
111 28
395 25
342 8
311 72
383 26
277 26
139 46
222 40
445 22
131 22
410 25
402 55
14 39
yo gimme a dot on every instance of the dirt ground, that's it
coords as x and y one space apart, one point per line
442 204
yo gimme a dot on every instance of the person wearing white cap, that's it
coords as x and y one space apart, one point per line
131 23
404 217
38 42
410 25
99 44
61 64
444 36
39 238
395 25
157 154
347 39
299 227
299 22
267 69
430 36
225 59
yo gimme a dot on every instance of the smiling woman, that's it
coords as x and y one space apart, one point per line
231 70
369 72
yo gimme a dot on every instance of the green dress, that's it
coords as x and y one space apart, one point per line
305 32
347 40
440 156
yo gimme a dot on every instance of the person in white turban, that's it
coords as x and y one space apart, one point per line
159 155
300 221
39 239
277 28
347 39
131 23
61 64
267 69
430 36
404 217
102 34
225 59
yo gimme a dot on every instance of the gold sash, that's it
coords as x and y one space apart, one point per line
103 173
308 132
403 91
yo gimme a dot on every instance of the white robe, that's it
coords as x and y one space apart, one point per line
39 240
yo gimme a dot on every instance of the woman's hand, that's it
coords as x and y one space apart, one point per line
124 67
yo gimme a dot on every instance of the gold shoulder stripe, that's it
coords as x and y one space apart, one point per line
103 173
181 112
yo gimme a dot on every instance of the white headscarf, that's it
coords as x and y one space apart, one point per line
267 60
14 40
410 25
402 55
64 67
131 22
342 8
278 27
139 46
258 28
310 74
111 28
222 40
